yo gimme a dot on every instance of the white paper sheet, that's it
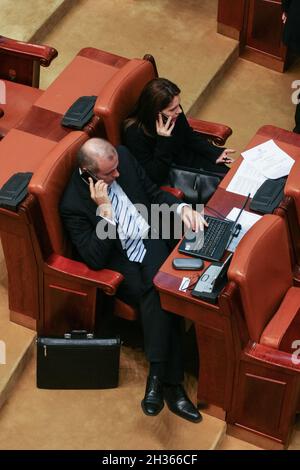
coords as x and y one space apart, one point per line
246 220
269 160
246 180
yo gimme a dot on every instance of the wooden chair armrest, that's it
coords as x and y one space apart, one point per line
175 191
219 133
44 54
271 356
105 279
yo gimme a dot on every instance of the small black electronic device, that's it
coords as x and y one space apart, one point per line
85 175
189 264
14 191
268 196
80 113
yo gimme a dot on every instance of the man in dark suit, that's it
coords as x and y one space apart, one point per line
100 199
291 38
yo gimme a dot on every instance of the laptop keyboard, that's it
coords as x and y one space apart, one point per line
212 236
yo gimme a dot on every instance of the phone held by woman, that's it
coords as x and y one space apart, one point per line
164 117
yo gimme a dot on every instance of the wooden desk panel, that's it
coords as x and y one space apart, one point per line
21 266
44 123
213 328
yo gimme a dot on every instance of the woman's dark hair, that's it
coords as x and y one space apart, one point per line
156 96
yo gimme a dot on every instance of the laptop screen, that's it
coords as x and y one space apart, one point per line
235 223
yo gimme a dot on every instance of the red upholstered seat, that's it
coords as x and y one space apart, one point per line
40 112
261 268
265 309
263 272
121 93
31 108
291 208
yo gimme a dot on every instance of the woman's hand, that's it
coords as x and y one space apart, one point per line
100 197
224 158
284 17
164 129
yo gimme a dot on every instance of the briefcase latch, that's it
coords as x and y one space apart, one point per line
79 334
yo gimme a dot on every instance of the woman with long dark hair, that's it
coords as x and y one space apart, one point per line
158 134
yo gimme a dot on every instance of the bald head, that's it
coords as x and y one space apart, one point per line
99 157
93 152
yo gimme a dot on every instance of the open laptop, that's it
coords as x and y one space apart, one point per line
212 243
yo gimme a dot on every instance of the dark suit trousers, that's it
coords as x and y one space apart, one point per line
163 331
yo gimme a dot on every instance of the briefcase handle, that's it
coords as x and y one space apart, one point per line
79 334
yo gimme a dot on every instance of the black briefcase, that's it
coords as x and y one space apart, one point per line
77 361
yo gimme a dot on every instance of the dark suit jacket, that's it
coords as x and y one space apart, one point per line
78 211
184 147
291 33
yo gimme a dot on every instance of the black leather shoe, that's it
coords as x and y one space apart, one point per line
153 401
179 403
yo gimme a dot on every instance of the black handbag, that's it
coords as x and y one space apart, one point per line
77 361
197 185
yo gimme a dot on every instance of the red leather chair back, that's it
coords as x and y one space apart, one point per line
291 211
292 186
119 95
261 268
49 182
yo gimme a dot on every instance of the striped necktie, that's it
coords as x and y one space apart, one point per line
130 224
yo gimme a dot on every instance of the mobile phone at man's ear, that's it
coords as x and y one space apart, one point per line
85 175
190 264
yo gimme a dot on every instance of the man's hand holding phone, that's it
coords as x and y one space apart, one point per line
100 196
164 125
